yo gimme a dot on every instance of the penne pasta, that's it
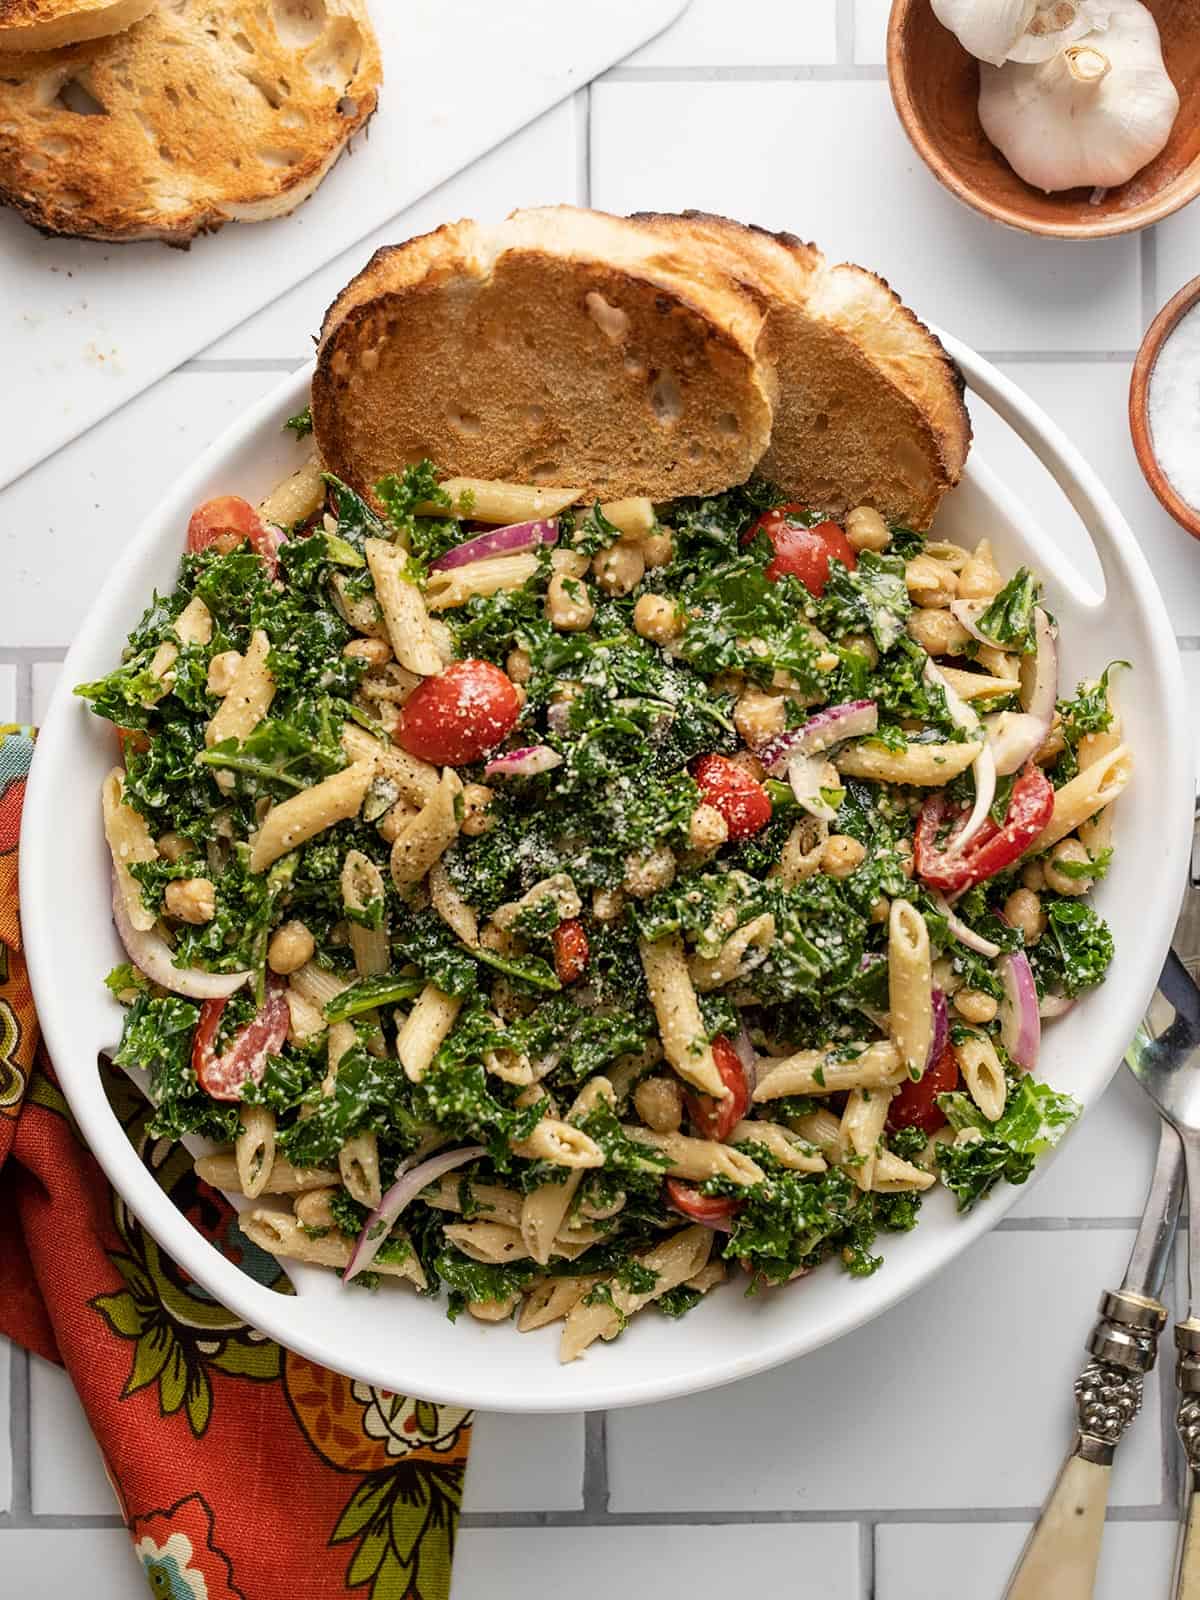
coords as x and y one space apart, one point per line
129 842
416 780
862 1126
254 1150
698 1159
545 1208
423 838
788 1148
456 585
738 956
551 1299
281 1235
403 606
878 1066
489 1242
1086 794
454 911
673 1262
910 986
489 500
983 1075
556 1141
926 765
423 1030
249 696
221 1170
310 812
685 1043
296 497
363 888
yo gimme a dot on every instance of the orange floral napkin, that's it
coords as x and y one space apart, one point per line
243 1471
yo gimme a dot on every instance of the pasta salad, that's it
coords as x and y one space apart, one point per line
573 905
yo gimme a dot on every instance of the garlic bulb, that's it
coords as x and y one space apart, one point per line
1057 23
1093 115
986 28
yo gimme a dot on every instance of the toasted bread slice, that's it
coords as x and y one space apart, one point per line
205 112
50 24
546 349
869 408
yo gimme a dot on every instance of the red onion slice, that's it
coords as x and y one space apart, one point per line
744 1051
1020 1019
968 613
853 720
152 955
965 716
410 1180
805 774
527 762
941 1027
1013 739
964 935
1016 736
511 541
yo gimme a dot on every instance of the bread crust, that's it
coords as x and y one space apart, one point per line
50 24
838 333
212 112
548 349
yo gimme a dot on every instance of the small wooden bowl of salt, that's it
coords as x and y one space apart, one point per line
1164 407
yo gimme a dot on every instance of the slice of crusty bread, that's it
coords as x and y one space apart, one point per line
204 112
869 408
545 349
49 24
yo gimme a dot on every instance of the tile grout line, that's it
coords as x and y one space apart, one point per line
1148 251
866 1559
839 72
595 1464
19 1437
931 1516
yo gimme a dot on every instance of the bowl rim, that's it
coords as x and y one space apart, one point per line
1140 379
1127 574
1163 203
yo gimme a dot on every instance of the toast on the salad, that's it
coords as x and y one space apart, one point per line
869 409
546 349
49 24
204 112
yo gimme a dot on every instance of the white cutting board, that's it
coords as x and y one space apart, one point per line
85 326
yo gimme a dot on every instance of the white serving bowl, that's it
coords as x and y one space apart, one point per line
394 1339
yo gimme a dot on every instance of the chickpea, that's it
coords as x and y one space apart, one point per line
521 693
621 567
904 852
1024 910
476 798
881 909
930 582
938 633
863 644
973 1005
290 947
568 605
313 1210
659 1103
707 829
979 579
519 665
1071 852
1032 876
222 670
759 717
375 652
394 820
841 855
749 763
191 900
866 529
647 874
607 904
172 848
657 619
658 547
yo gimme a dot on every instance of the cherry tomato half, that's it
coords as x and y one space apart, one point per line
915 1104
227 522
711 1209
713 1118
460 715
245 1057
132 739
570 950
800 551
992 849
741 799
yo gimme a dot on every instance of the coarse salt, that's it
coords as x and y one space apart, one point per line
1174 407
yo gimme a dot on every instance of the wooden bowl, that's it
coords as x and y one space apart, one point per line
935 87
1157 334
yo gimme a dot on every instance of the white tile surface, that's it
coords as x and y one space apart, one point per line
1177 244
1104 1166
716 33
67 1477
63 524
751 1446
1089 401
766 153
6 1464
930 1563
1191 672
45 675
807 1562
870 31
538 166
37 1563
525 1464
8 693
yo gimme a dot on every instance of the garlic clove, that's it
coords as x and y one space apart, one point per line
1093 115
986 28
1057 23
